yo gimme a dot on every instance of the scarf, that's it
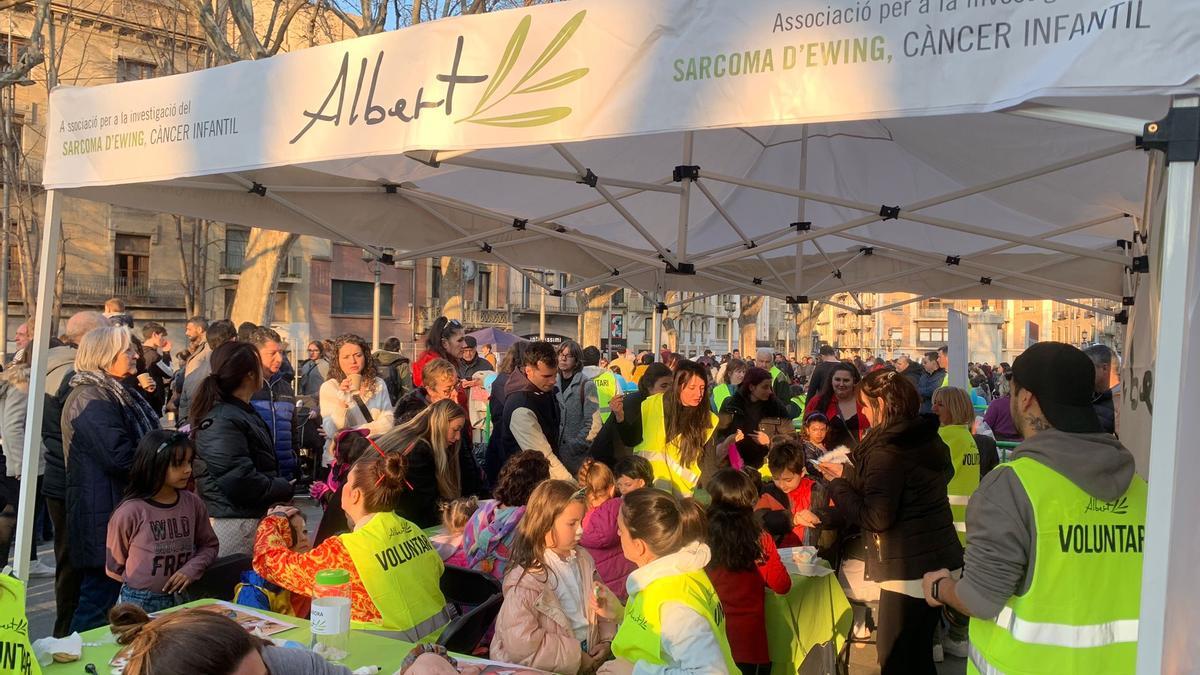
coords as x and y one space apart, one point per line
136 412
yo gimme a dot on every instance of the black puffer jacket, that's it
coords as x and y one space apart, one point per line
896 492
236 469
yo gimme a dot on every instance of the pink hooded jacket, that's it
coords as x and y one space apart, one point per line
532 629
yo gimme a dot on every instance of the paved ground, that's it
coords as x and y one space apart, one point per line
40 608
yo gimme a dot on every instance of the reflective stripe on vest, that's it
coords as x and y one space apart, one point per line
964 456
400 570
800 400
427 629
606 389
639 639
664 457
1080 614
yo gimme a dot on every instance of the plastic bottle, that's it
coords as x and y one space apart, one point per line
330 616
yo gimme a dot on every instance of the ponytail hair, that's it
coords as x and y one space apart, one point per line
664 522
381 477
596 478
231 363
183 641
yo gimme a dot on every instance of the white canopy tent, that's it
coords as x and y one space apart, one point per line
987 151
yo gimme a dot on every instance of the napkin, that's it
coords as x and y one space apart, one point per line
63 650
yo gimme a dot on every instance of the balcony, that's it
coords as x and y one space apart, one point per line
86 289
532 302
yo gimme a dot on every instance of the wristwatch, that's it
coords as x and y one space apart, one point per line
933 588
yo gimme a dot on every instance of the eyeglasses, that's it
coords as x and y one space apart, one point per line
453 324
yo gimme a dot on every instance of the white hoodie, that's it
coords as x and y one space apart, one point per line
688 643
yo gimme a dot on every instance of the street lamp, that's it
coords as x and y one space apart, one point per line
375 262
730 308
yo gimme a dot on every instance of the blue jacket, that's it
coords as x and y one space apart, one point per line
99 443
275 403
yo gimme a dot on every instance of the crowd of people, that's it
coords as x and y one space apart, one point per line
632 506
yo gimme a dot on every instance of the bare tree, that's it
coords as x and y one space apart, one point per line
751 305
594 300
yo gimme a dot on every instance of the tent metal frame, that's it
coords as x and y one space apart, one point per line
1171 346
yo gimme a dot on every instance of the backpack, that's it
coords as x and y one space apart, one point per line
391 377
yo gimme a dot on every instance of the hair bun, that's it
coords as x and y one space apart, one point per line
394 470
126 621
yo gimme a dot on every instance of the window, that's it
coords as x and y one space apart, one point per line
235 250
896 334
132 269
933 334
279 311
618 298
357 298
129 70
13 45
526 290
435 281
722 330
483 288
648 329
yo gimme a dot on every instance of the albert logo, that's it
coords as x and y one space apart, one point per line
1118 506
358 91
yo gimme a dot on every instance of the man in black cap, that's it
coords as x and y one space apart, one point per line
472 362
1052 571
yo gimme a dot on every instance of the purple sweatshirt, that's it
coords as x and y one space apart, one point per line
601 540
148 542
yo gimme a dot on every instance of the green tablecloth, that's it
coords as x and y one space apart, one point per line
365 649
814 612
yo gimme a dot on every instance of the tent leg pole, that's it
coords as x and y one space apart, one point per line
47 259
1169 552
656 328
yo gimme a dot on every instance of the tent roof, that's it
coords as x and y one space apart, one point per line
1060 196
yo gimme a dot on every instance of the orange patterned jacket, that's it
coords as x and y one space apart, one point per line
296 572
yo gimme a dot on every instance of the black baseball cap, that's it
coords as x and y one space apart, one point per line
469 342
1062 378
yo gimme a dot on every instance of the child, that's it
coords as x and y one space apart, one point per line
816 428
633 473
159 538
454 520
787 494
744 561
488 537
255 591
600 526
674 621
548 620
348 447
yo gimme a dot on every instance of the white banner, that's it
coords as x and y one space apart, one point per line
595 69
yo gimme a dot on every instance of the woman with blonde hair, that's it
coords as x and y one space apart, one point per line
430 443
956 416
103 420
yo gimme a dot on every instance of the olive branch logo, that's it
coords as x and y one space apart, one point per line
530 118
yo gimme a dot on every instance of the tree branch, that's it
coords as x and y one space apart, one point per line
283 27
213 34
243 17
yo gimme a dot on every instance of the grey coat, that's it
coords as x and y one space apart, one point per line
579 416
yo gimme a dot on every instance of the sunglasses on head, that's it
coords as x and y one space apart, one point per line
453 324
175 439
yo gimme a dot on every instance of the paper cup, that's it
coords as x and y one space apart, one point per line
355 382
